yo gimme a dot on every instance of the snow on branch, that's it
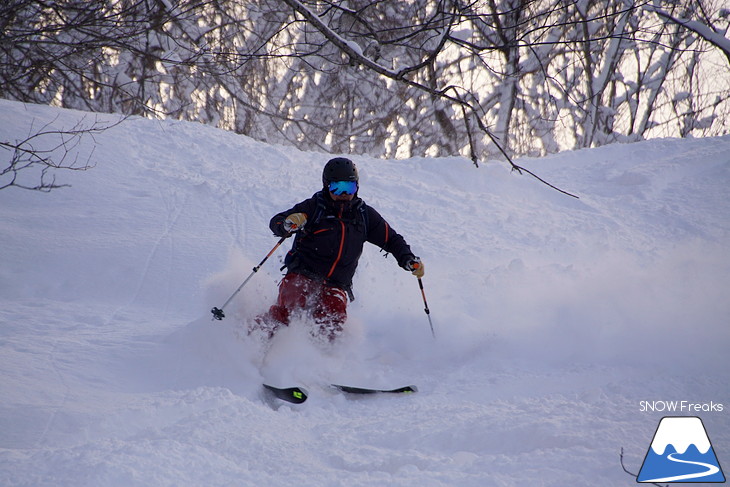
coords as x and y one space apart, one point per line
350 48
357 57
704 31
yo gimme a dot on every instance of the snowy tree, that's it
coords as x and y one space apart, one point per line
485 79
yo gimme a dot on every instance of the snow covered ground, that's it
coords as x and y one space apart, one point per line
554 317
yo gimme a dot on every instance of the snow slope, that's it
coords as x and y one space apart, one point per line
554 317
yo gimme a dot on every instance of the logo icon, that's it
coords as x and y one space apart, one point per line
681 452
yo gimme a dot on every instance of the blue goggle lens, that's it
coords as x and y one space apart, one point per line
343 187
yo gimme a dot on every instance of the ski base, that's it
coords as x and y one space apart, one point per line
294 395
365 390
297 395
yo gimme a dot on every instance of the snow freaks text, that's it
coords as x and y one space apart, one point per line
680 407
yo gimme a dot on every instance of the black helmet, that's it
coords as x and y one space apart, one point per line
339 169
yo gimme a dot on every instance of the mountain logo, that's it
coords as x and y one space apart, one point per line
681 452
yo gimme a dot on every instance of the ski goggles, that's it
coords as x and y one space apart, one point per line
343 187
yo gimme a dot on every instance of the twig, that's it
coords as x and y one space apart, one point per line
631 473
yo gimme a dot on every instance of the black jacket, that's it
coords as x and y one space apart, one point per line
330 244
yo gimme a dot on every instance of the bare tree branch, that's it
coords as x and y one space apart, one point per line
34 160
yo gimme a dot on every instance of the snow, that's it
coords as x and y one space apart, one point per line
554 317
354 47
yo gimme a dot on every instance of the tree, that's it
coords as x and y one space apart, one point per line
481 78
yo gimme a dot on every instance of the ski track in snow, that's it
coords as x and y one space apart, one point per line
554 317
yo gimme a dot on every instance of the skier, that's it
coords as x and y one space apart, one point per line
329 230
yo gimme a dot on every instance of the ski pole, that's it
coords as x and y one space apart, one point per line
218 312
428 312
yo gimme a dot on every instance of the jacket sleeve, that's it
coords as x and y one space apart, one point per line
277 222
380 233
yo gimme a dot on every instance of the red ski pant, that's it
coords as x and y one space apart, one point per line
326 304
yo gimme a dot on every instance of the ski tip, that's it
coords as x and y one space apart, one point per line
294 395
406 390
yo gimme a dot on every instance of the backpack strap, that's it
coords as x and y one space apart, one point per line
321 207
364 214
318 211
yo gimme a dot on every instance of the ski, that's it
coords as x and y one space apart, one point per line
297 395
365 390
294 395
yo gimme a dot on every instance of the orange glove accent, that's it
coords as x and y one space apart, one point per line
416 267
294 222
